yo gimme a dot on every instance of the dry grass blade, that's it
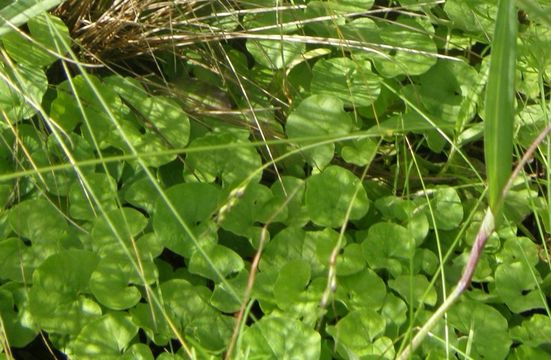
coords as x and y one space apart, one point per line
126 28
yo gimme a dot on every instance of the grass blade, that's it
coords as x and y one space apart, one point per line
19 12
500 91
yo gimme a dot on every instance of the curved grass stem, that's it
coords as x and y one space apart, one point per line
486 228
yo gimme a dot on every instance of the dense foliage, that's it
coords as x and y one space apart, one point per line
298 180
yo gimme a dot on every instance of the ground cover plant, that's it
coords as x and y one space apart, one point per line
275 180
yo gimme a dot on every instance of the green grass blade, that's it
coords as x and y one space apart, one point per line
500 92
19 12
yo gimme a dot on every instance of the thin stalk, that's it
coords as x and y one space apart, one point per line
486 228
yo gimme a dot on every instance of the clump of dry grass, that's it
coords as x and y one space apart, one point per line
110 30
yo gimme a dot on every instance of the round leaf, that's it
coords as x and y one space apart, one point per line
275 54
56 299
516 285
357 330
110 283
281 338
127 223
232 164
216 263
194 203
106 337
413 288
319 115
39 221
330 194
386 244
352 82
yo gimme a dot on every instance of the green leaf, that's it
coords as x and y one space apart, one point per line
336 11
386 245
38 221
413 50
84 100
331 193
359 151
251 209
138 351
161 116
19 12
48 33
82 206
351 260
188 308
355 333
22 91
275 54
483 329
499 104
447 92
291 281
293 243
519 249
224 294
222 261
534 331
517 285
106 337
319 115
111 281
297 214
446 207
194 203
413 288
361 290
352 82
14 260
525 352
394 309
141 193
57 299
232 165
14 311
127 223
276 337
477 17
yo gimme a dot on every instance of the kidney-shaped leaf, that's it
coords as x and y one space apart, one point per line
216 262
110 283
104 338
38 220
56 299
386 244
319 115
535 331
352 82
517 285
115 229
194 203
276 337
485 326
330 194
231 164
413 288
357 330
27 82
275 54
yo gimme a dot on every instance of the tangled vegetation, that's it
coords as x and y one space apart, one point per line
262 179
